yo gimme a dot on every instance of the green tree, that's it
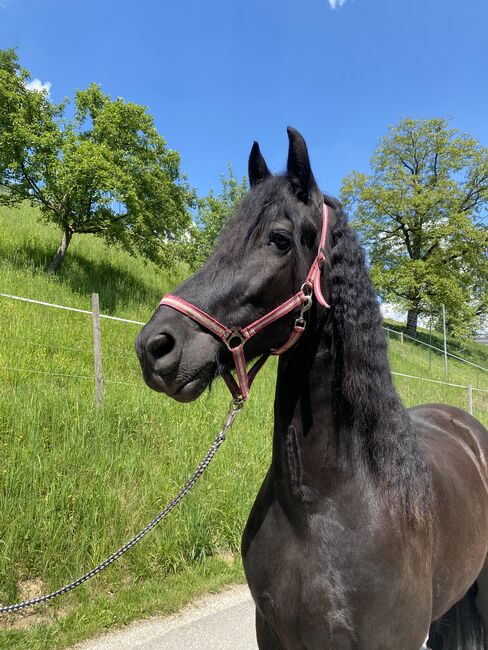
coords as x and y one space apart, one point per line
212 213
105 171
421 215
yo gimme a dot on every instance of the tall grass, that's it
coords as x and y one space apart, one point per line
76 482
468 350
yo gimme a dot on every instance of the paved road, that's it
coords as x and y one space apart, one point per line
220 622
224 621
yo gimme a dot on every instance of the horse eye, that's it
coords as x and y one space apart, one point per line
280 239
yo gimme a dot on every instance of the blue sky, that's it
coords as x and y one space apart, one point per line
219 74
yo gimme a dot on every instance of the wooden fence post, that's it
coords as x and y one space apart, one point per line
97 349
470 399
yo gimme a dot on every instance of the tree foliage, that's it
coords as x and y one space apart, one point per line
421 214
212 213
105 171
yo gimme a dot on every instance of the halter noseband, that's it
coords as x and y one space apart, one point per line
234 339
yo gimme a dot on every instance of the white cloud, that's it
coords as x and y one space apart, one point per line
336 3
37 85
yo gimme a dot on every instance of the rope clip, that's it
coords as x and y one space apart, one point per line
235 407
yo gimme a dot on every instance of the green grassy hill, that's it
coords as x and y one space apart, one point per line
411 358
77 482
470 351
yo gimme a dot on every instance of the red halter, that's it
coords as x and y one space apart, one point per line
235 339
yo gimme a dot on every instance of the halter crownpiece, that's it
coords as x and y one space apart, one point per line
235 339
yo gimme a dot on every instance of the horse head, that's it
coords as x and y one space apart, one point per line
261 259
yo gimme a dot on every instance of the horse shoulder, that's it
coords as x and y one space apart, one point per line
456 448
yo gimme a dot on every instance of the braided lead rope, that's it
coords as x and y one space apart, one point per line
234 410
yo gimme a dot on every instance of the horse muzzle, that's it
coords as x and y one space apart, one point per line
177 358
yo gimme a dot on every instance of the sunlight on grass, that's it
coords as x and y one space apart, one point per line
77 482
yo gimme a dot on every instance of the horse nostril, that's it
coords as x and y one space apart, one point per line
160 345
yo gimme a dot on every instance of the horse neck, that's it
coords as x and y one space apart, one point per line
304 442
337 413
332 423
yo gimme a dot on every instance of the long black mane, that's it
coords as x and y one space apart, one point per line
372 423
373 427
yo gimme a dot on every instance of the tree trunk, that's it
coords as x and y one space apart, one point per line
61 252
412 318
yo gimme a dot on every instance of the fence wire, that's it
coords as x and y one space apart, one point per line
400 336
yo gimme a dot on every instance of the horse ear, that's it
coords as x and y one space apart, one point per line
258 169
299 169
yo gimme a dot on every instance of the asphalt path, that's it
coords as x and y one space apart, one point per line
223 621
218 622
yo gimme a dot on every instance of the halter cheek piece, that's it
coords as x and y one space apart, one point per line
235 339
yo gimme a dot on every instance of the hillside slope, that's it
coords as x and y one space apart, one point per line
76 482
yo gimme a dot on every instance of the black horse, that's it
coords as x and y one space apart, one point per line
370 530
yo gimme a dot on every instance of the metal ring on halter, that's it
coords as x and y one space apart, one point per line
307 289
231 336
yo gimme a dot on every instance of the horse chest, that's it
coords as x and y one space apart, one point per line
299 573
295 589
326 576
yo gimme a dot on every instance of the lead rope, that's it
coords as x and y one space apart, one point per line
235 408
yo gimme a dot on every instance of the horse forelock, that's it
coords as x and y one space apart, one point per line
254 216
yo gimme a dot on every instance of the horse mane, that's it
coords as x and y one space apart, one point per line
374 430
372 423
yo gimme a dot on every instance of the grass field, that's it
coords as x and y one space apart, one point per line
77 482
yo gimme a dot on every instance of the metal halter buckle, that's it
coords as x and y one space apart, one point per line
307 290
